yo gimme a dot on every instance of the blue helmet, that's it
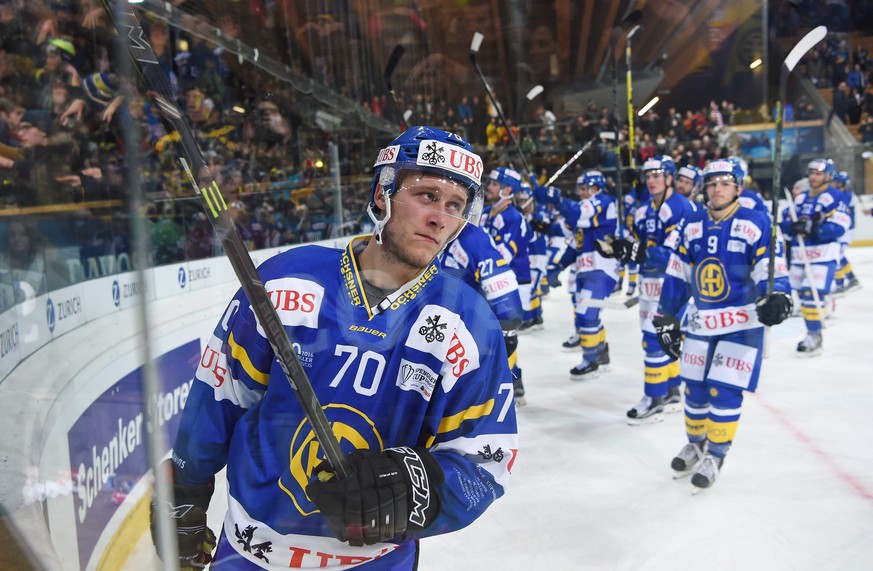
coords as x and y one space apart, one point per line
427 149
742 166
722 167
506 178
692 173
663 163
592 178
842 177
826 166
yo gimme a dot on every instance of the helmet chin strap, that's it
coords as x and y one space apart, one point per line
379 225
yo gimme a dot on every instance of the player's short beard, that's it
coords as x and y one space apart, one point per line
394 252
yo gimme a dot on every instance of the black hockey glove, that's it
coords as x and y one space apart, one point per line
669 334
802 226
540 226
624 250
188 509
386 495
775 308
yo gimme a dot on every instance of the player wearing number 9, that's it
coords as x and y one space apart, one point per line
408 363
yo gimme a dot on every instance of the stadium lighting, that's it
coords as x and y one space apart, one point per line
756 63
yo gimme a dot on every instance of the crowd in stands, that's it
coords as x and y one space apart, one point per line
67 115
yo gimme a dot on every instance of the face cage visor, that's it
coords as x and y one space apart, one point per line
716 179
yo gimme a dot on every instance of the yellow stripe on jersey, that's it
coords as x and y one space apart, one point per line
721 432
239 353
760 251
451 423
810 313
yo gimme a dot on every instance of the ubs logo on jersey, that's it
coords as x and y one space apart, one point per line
353 429
711 280
297 301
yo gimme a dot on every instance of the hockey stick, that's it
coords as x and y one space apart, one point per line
807 266
127 25
474 50
393 60
608 304
805 44
630 98
572 160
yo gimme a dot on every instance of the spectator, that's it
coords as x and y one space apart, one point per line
29 265
840 104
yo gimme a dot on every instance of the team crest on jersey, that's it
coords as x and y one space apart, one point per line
711 280
353 429
416 377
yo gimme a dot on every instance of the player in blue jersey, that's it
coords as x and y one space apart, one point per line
722 262
655 232
748 197
689 182
510 231
410 369
474 258
594 216
844 278
537 222
821 220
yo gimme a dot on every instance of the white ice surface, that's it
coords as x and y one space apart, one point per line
590 492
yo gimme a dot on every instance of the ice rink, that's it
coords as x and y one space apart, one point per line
590 492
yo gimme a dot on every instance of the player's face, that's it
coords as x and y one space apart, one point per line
492 188
816 178
427 210
684 185
721 191
656 182
585 191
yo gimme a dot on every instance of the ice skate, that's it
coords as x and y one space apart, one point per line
706 473
531 325
585 371
688 458
603 358
571 345
648 411
518 392
673 400
811 345
853 285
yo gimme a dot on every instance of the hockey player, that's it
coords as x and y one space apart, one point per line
689 181
655 229
821 220
722 263
844 278
594 216
537 222
507 226
409 367
474 258
748 197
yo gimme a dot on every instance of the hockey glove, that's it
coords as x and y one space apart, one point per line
540 226
547 195
802 226
669 334
188 509
386 495
775 308
624 250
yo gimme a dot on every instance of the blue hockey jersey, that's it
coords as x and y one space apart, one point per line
511 233
657 228
428 369
833 220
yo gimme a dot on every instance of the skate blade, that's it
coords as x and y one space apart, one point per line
570 349
695 490
809 354
673 407
677 475
586 376
654 419
604 368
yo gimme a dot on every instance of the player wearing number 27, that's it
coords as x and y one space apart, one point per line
722 262
410 368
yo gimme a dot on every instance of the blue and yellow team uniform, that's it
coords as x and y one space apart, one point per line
408 372
844 274
723 266
657 228
596 275
512 235
539 261
632 201
474 258
822 248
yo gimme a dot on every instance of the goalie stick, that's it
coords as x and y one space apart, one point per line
805 44
474 50
131 34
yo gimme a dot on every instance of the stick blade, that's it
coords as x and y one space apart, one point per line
393 60
805 44
534 91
